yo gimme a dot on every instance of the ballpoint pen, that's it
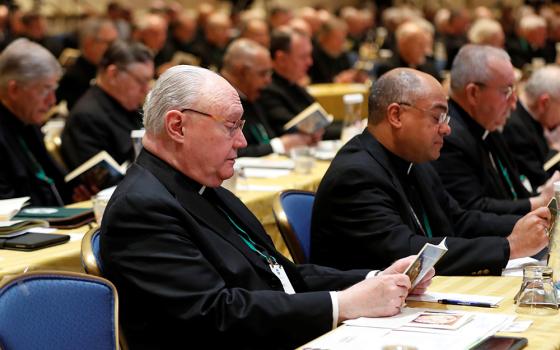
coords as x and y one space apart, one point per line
465 303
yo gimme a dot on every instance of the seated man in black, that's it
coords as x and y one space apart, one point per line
188 257
95 35
284 98
106 114
476 166
28 78
380 200
247 66
413 45
537 110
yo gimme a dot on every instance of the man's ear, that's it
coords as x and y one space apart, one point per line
174 126
393 115
543 102
472 92
13 88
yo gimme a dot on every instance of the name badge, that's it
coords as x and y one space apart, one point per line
278 270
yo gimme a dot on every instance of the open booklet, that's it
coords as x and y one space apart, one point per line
428 256
10 207
101 171
310 119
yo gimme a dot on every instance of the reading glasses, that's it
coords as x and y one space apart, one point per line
231 129
506 91
442 119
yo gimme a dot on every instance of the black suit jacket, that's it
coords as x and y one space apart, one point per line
363 218
186 279
521 52
76 81
282 101
98 122
17 170
466 169
257 130
525 138
325 67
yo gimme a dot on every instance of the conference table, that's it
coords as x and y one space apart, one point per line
543 334
259 200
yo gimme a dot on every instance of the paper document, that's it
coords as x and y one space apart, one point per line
257 162
425 260
10 207
434 297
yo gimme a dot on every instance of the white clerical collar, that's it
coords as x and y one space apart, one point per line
486 132
201 191
409 168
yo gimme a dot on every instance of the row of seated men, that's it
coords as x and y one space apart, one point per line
185 253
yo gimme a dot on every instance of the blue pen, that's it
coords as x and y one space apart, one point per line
465 303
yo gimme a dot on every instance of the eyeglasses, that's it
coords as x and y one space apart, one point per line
231 129
141 81
506 91
442 119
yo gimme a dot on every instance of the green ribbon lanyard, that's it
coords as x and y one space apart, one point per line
39 171
249 242
508 180
427 224
259 132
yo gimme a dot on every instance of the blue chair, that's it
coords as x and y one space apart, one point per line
90 253
292 212
58 310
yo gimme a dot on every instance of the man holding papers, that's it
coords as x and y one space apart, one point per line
380 200
192 265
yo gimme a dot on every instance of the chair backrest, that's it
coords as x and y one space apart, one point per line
90 253
292 212
58 310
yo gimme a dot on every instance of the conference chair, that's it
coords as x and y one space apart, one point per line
91 262
90 252
292 212
58 310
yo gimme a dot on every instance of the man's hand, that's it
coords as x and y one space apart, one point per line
529 235
400 266
374 297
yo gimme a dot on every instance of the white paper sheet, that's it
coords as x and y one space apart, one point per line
433 297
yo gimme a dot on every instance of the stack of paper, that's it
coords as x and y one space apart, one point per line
465 299
264 167
10 207
417 328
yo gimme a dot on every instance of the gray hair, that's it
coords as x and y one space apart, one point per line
545 80
25 61
180 87
471 65
483 29
241 51
91 28
396 86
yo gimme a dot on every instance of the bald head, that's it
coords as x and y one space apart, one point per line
397 85
413 42
408 114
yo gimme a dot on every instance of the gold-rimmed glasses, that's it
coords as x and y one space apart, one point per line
231 129
442 119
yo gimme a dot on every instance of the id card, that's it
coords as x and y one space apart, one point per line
278 270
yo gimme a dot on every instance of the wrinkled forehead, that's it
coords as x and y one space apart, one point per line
220 99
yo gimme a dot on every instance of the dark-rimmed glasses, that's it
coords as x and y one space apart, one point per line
442 119
237 125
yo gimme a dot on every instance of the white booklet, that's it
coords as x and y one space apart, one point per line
428 256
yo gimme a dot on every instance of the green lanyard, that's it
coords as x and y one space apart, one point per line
249 242
427 224
507 178
39 172
259 132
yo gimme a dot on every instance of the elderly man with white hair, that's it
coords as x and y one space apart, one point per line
187 256
538 108
531 42
29 76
